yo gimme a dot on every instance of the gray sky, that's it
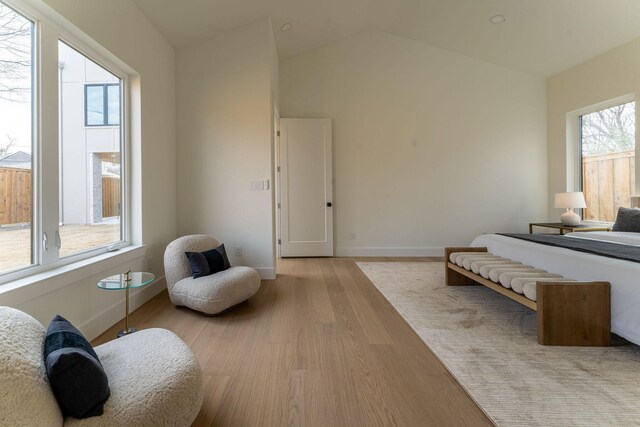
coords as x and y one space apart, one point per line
15 120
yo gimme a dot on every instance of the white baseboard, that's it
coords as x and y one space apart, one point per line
373 251
114 313
266 273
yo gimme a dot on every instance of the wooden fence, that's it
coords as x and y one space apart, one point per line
612 177
110 196
15 196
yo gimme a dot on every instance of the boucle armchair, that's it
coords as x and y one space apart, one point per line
211 294
155 380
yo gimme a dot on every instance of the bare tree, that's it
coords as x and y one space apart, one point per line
4 148
15 55
609 130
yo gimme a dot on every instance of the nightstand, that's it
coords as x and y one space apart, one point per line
569 228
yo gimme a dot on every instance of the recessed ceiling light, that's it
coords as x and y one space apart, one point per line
497 19
285 27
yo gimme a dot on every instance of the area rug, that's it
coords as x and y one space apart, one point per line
488 342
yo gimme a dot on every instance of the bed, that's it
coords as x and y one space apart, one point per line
623 274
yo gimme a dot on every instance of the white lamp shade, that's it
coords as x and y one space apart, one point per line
569 200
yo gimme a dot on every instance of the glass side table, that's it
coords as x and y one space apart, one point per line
126 281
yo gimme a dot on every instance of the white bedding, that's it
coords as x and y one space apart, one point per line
620 237
624 276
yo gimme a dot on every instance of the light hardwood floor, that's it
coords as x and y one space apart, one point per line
318 346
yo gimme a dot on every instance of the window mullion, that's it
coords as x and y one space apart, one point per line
48 142
105 104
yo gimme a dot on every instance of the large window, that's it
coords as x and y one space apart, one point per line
91 176
62 184
607 152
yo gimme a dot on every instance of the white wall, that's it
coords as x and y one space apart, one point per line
224 110
120 27
611 75
431 148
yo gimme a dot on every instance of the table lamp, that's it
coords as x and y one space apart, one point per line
570 201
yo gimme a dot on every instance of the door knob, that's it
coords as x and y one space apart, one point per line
328 204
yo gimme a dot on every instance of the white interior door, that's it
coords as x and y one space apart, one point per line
306 190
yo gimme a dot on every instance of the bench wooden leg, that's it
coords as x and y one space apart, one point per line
453 278
574 313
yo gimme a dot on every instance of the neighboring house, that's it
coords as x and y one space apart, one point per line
89 136
19 160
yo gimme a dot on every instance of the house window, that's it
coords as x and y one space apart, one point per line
77 174
102 104
607 159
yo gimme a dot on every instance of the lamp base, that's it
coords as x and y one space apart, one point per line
569 217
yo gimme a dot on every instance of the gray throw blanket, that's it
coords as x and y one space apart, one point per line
606 249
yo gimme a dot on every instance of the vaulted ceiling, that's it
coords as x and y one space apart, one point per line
541 37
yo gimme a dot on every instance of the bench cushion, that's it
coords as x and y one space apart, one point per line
453 257
529 290
517 284
485 269
494 274
474 255
468 261
506 279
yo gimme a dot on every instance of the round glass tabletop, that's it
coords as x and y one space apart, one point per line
118 282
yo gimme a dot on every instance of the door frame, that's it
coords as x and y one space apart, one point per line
276 168
331 223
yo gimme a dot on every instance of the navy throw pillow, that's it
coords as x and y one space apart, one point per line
217 259
208 262
198 263
627 220
75 373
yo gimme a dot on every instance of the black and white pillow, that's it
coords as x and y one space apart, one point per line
75 373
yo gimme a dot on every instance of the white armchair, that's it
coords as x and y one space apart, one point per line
155 379
211 294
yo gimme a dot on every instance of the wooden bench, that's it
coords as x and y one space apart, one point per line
568 313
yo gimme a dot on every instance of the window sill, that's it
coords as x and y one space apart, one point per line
39 284
596 223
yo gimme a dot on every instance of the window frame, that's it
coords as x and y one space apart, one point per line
125 148
574 142
105 104
49 29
